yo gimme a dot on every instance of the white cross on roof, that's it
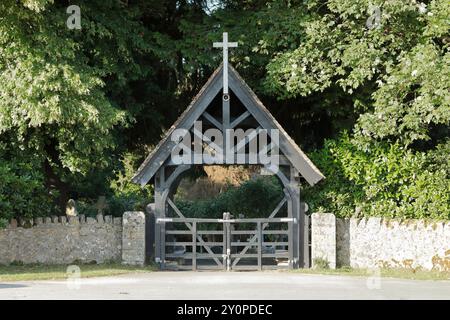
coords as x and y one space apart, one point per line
225 45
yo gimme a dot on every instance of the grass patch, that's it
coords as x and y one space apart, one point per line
413 274
58 272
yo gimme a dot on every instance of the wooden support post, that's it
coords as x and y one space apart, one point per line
260 243
159 213
299 221
228 155
225 241
305 238
290 234
194 246
226 111
228 252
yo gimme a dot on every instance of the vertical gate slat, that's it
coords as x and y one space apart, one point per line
225 242
228 247
260 242
194 246
163 246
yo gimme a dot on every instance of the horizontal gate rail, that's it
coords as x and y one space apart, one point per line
244 255
200 267
178 232
206 232
256 220
198 255
178 243
275 232
251 232
275 243
183 220
242 243
264 255
264 267
262 220
276 255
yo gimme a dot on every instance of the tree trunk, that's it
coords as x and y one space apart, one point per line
53 181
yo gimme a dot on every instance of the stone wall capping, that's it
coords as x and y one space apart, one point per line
13 224
90 220
100 219
74 220
21 222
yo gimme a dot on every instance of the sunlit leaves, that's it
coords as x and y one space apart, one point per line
386 180
414 96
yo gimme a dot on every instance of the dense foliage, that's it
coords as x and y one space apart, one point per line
79 109
22 190
254 198
388 180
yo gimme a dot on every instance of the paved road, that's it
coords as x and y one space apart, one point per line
227 285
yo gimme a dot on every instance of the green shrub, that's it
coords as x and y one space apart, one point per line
386 180
321 263
127 195
22 191
253 198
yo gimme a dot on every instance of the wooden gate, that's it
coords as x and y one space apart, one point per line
226 244
227 112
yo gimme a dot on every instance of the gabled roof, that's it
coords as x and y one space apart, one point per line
198 106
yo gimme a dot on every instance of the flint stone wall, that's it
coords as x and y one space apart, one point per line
62 240
390 243
133 240
323 243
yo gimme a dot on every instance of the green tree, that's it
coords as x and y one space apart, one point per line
402 64
75 103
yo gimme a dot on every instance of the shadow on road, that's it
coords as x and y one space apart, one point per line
11 286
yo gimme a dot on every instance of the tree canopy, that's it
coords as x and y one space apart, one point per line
367 96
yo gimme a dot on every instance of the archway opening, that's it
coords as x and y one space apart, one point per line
207 192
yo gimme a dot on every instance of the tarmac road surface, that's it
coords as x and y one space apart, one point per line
220 285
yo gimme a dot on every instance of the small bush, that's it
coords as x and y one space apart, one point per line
321 263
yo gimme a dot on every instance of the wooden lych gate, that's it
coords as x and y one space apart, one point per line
228 242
